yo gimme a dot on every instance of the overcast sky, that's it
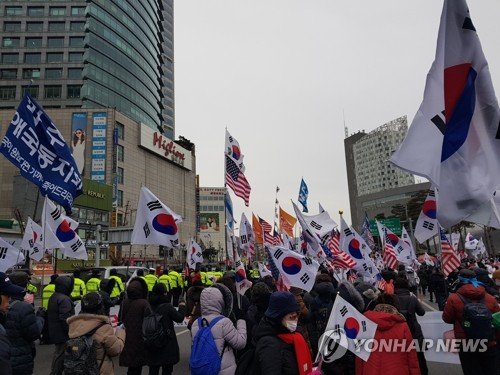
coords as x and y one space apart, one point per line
279 74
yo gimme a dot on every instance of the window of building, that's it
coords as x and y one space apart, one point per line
53 92
76 41
34 27
57 11
53 57
33 42
75 73
53 73
35 12
31 73
33 91
77 26
82 214
76 56
13 11
74 91
9 42
77 11
119 175
121 130
56 26
33 58
55 42
119 153
7 92
12 26
8 73
119 198
10 58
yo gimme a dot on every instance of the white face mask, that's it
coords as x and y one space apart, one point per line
291 325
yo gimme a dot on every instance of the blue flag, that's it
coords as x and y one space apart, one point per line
35 146
303 194
228 203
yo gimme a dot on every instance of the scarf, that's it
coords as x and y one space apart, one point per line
304 361
472 281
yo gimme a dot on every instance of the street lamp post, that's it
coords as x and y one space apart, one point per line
97 246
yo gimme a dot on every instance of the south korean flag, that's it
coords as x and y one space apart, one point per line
9 255
34 242
194 254
60 225
296 270
427 224
155 223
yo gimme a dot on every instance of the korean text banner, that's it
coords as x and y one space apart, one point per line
35 146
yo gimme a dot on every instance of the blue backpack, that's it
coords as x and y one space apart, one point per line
205 358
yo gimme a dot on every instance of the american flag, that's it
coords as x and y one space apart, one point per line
367 234
340 259
449 258
237 181
389 256
381 283
280 283
266 227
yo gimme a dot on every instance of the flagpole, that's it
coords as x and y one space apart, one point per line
226 190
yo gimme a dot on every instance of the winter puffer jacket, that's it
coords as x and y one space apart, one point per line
5 363
59 309
132 312
411 305
23 328
273 355
454 308
389 327
107 343
213 305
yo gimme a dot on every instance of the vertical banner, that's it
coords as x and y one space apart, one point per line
78 138
99 125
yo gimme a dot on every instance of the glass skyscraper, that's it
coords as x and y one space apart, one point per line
91 54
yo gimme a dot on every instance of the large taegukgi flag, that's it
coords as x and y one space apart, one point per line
155 223
454 139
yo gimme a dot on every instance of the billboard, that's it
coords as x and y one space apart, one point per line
393 224
78 139
99 125
209 222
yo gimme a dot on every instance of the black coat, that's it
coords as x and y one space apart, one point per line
59 309
437 283
272 354
169 354
23 328
410 304
133 310
5 350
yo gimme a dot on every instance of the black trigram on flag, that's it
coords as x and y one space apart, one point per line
173 243
399 249
315 225
3 252
363 325
344 311
76 245
428 225
154 205
238 264
365 267
308 261
305 278
56 214
243 239
336 328
278 253
146 229
347 232
432 193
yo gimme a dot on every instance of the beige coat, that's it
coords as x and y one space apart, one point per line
108 343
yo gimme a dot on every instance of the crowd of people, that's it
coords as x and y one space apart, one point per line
264 331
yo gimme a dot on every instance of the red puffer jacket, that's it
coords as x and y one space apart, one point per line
390 327
454 308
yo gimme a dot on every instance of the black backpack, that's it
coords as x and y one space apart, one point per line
477 319
247 364
154 331
80 355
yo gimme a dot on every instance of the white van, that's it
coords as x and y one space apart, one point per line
124 272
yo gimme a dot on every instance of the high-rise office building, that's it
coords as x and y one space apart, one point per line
91 54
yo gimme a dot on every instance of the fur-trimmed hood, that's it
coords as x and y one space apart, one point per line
216 300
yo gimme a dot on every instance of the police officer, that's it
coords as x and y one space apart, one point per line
79 289
151 279
165 280
176 284
48 291
118 289
94 282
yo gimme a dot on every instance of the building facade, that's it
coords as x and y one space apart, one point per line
91 54
212 220
368 168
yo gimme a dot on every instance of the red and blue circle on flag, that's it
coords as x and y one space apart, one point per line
291 265
64 232
165 224
351 328
354 249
